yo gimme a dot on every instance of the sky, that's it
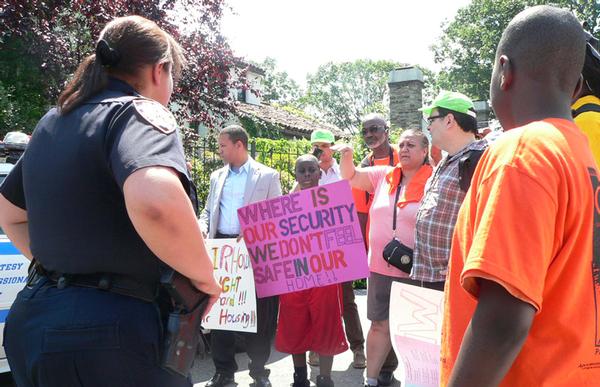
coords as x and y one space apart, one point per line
301 35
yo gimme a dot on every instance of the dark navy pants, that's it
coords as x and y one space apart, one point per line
258 345
84 337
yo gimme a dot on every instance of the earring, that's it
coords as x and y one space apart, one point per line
588 85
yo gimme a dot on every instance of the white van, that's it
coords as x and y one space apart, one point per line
13 275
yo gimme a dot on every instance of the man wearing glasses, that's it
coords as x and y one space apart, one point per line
452 124
375 133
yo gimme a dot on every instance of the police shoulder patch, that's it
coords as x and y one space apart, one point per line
156 115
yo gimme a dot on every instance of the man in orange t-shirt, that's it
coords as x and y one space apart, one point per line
523 291
376 134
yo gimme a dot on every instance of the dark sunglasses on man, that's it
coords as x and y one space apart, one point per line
372 129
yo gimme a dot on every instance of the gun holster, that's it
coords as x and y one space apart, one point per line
182 329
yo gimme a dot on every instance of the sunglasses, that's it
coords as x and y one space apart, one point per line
372 129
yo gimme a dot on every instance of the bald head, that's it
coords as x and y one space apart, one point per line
547 44
307 158
374 118
307 171
537 67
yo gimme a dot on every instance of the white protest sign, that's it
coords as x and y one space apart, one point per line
236 308
415 330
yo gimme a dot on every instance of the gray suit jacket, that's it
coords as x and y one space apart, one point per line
263 183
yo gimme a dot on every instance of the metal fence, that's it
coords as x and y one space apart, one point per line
206 160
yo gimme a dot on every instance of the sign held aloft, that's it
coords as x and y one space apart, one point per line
303 240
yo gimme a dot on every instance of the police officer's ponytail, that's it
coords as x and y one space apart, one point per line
89 78
125 45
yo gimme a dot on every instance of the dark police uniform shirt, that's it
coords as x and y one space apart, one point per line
70 181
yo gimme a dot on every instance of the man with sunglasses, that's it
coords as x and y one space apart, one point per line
375 133
452 124
586 108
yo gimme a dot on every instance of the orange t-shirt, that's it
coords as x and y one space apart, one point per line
528 223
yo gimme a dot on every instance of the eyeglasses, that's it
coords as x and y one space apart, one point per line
432 118
372 129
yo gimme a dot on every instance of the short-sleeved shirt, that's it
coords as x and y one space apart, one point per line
589 123
70 180
529 223
437 216
382 214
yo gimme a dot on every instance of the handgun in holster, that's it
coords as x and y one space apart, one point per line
182 329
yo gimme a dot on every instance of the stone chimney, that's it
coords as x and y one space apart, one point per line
406 85
482 108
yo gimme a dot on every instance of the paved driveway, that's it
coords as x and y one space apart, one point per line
281 364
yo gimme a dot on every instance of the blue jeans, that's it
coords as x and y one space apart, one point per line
84 337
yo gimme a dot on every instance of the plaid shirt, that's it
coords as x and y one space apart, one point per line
436 218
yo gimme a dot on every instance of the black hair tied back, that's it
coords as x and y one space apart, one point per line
108 56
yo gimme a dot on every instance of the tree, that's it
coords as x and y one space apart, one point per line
53 36
467 47
341 93
277 86
21 101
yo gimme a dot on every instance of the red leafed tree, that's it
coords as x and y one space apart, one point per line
57 34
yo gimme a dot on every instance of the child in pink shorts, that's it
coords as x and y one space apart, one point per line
311 320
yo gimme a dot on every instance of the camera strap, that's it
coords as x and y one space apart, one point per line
396 206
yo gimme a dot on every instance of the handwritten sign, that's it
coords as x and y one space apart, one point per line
236 308
307 239
415 327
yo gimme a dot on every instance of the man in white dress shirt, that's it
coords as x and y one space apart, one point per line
241 182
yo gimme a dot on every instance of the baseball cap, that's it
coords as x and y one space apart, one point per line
451 100
322 135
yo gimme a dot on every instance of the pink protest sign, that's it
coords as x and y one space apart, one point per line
304 240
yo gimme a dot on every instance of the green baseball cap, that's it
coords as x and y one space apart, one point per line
322 135
451 100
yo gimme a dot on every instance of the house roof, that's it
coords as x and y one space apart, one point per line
292 124
243 64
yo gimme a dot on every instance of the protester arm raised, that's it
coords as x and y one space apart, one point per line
357 177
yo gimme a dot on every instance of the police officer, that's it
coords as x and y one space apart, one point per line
101 201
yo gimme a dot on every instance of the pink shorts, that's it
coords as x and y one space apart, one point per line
311 320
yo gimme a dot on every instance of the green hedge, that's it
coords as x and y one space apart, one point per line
278 154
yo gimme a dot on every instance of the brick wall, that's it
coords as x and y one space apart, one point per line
406 85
